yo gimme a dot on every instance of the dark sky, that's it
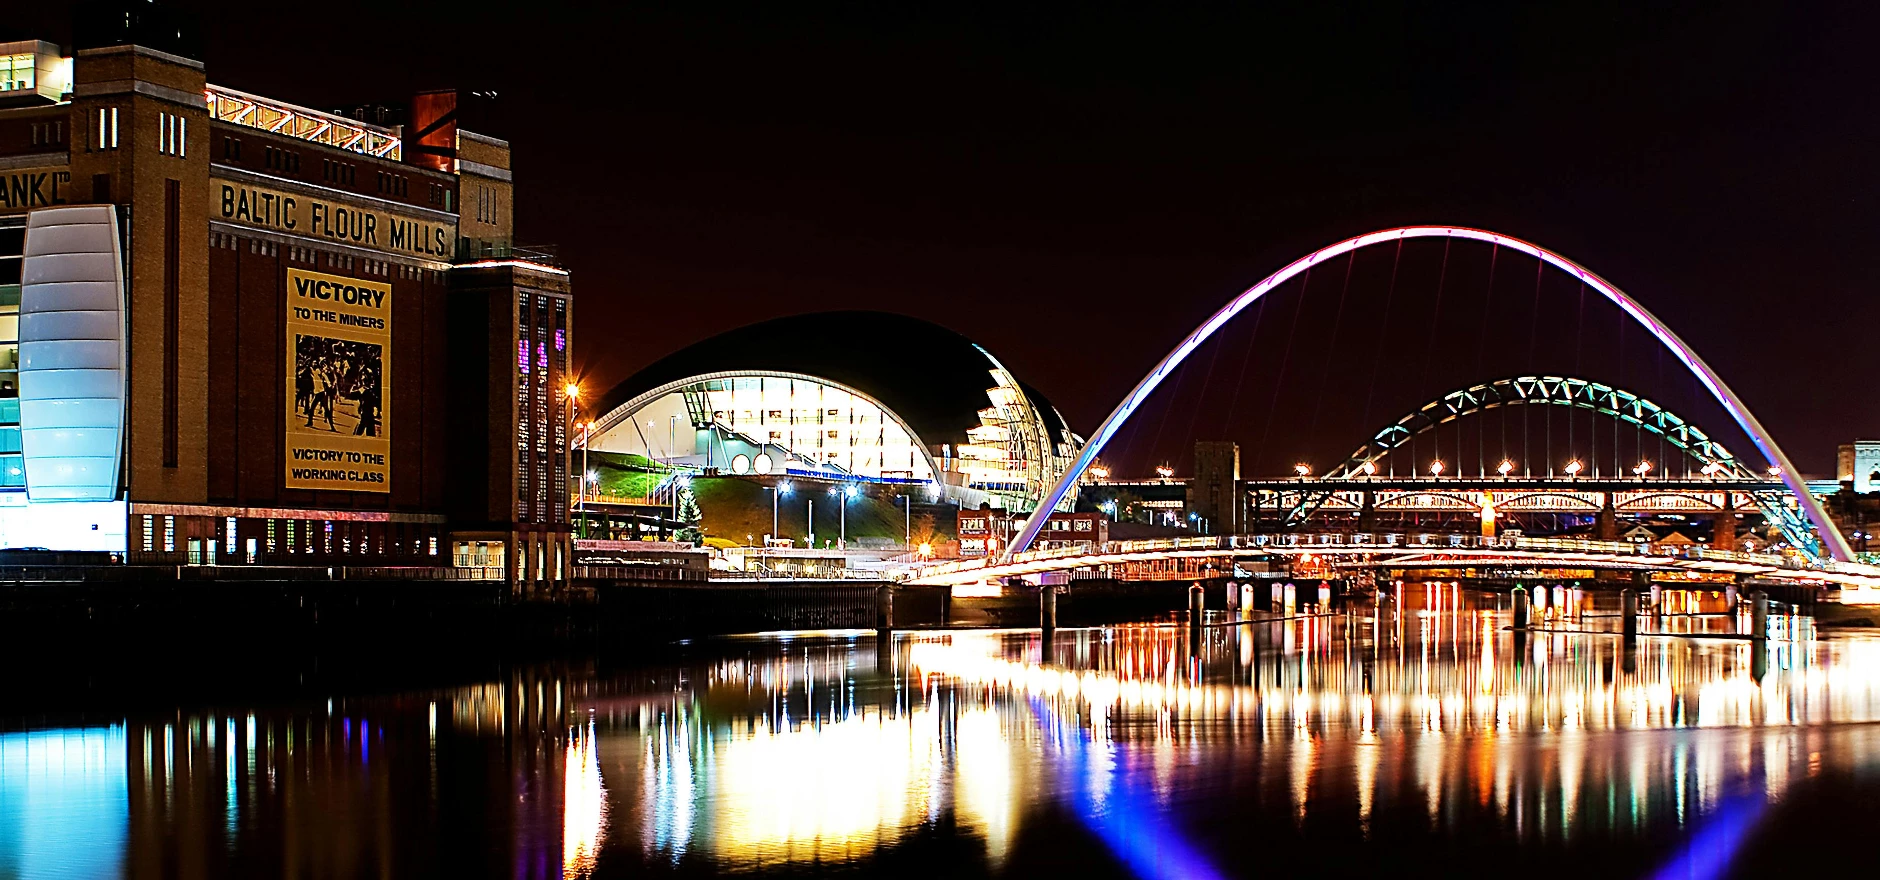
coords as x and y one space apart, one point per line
1077 187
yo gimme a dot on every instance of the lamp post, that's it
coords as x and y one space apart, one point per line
780 489
587 476
843 494
907 526
573 392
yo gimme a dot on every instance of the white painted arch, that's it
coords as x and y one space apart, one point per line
1831 539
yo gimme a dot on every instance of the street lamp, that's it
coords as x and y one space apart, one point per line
1369 468
1436 468
1505 467
1303 470
1573 468
1775 471
843 495
573 393
1643 468
781 488
1164 471
588 476
907 526
1100 472
593 481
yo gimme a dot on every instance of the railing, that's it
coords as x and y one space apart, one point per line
240 108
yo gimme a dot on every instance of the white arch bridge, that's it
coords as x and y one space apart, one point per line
1826 542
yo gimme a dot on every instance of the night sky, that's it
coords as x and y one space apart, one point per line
1076 188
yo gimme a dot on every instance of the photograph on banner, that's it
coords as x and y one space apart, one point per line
338 336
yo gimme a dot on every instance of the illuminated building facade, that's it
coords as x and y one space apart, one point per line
234 330
844 396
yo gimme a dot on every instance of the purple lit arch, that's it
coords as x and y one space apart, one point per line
1831 540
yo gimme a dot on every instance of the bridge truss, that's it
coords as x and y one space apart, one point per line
1722 474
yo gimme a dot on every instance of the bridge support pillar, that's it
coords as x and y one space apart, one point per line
1197 603
1520 600
1047 608
884 610
1367 513
1654 592
1233 599
1628 613
1606 524
1759 617
1723 525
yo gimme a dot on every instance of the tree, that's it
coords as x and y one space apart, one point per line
923 533
689 516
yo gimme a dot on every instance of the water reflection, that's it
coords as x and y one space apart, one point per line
1416 726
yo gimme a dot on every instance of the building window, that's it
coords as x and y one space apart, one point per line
173 139
169 534
104 129
150 533
228 534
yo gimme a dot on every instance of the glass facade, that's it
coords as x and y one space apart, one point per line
806 426
12 467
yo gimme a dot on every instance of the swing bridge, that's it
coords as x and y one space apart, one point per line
1371 512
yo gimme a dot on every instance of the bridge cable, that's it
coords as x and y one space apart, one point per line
1285 361
1534 329
1481 346
1206 380
1618 468
1377 359
1436 315
1338 321
1234 402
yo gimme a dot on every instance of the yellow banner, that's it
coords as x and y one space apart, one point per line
339 222
339 338
27 188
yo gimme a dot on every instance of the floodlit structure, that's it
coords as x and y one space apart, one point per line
239 331
1832 543
844 396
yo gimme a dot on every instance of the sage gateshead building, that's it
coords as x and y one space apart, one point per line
236 330
844 396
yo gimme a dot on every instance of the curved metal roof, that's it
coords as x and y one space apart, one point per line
933 378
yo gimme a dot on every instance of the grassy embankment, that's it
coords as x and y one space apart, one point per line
734 507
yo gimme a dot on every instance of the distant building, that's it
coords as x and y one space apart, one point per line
1214 488
985 531
1858 466
236 330
845 396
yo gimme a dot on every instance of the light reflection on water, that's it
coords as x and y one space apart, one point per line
1412 728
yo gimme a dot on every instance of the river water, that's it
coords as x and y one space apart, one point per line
1415 734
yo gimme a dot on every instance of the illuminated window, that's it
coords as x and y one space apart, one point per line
16 71
228 532
270 536
169 534
150 537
